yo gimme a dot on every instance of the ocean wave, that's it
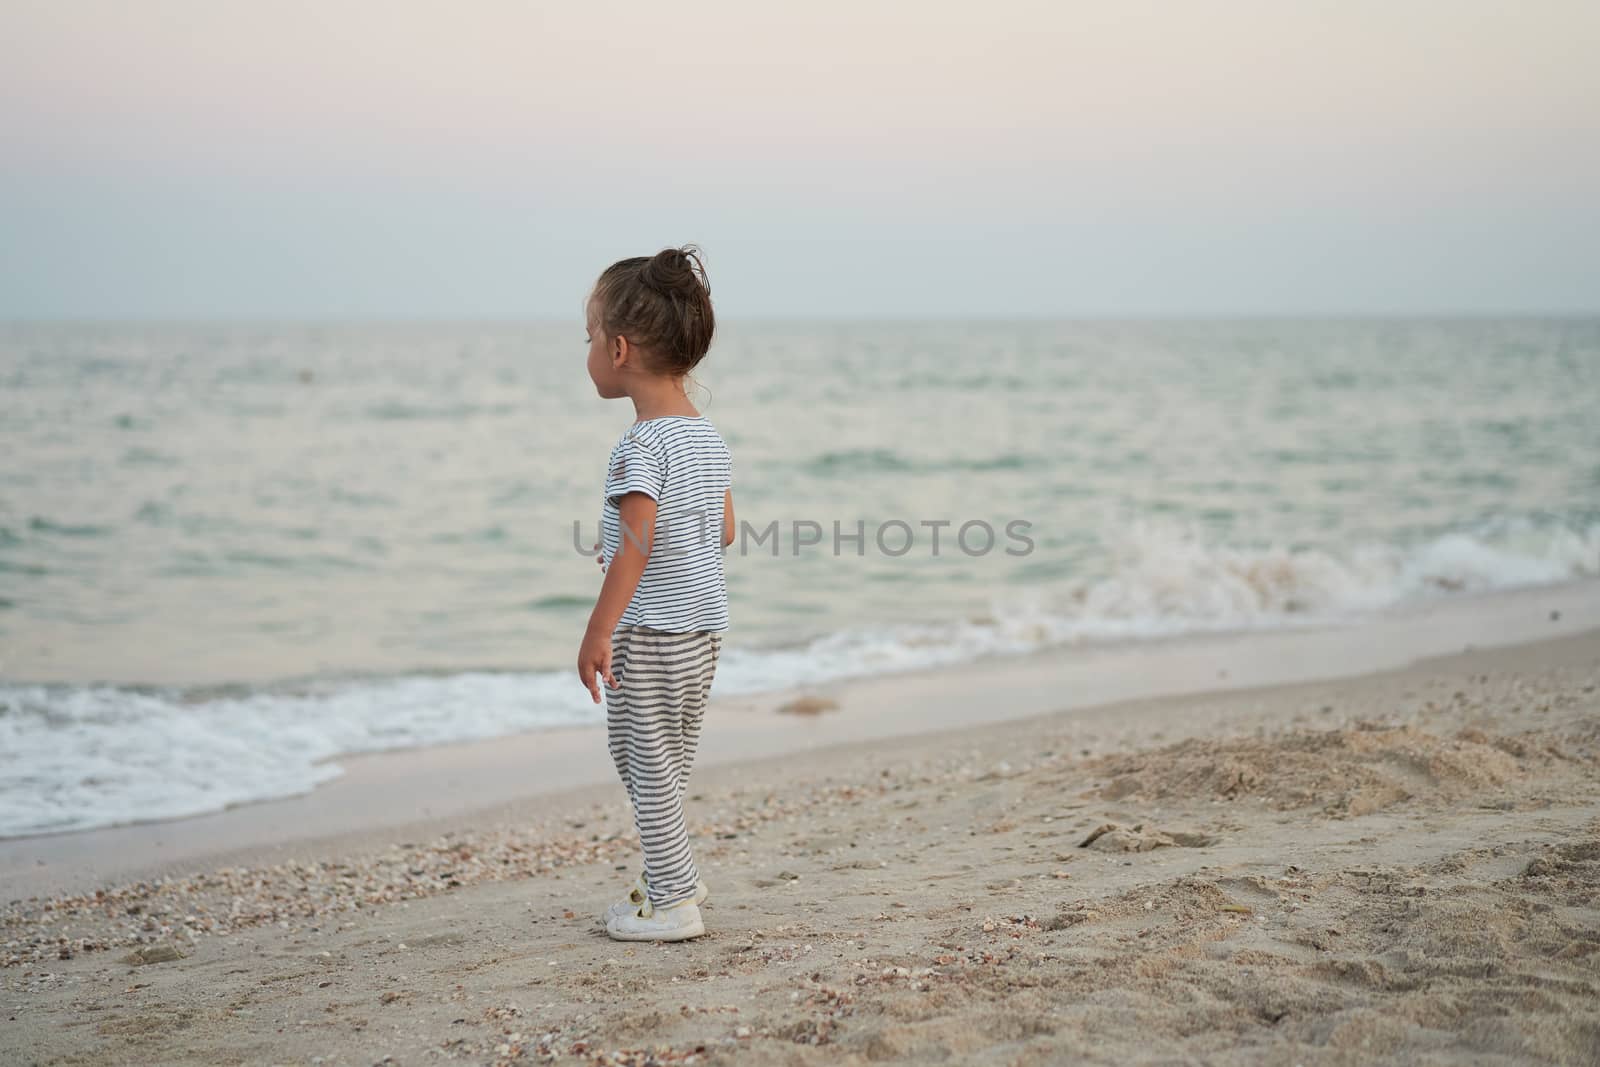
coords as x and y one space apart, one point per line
860 461
1166 576
1167 581
77 757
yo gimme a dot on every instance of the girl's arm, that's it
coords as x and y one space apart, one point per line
727 518
637 513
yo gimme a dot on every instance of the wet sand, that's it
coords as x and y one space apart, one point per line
1403 866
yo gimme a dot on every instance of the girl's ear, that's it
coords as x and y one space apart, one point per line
620 348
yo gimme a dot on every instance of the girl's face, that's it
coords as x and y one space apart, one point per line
606 377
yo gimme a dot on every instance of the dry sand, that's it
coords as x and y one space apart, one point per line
1402 867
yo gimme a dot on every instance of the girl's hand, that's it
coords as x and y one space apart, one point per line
594 657
599 557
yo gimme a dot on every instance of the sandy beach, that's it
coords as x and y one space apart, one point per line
1399 866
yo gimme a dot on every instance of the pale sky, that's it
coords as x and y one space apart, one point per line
347 158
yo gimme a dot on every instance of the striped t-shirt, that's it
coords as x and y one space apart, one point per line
683 464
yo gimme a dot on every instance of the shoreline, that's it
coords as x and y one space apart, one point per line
406 793
1403 865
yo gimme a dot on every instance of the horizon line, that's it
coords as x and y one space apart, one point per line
942 317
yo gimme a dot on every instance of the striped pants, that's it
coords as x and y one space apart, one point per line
652 726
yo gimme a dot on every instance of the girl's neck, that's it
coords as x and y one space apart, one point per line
659 403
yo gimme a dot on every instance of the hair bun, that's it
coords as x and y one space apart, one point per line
674 270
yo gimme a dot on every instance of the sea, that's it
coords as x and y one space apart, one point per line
231 553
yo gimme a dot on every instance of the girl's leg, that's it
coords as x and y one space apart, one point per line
694 713
616 707
664 684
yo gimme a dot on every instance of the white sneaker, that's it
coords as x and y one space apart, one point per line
638 894
675 922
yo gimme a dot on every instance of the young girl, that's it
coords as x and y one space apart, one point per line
656 629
